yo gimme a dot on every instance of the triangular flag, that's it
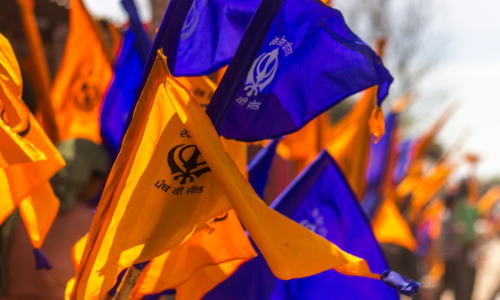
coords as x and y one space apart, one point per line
350 141
259 167
82 79
389 226
25 170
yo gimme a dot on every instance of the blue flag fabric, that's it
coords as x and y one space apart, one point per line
121 93
320 199
210 35
143 42
405 156
309 61
201 36
258 168
159 295
377 166
404 285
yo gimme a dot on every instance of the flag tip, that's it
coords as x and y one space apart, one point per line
403 285
41 260
377 123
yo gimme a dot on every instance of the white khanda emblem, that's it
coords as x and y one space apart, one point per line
262 72
191 22
318 226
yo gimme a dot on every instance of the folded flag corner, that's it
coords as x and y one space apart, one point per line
377 123
402 284
41 260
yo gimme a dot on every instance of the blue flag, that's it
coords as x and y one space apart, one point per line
320 199
201 36
121 93
258 168
308 61
404 158
377 166
143 42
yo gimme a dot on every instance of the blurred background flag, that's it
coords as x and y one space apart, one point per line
350 142
82 79
122 92
143 42
258 168
389 226
378 166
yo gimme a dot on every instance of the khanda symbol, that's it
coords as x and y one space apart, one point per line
86 98
21 133
191 22
262 72
191 165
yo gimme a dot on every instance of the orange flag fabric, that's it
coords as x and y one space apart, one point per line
198 265
25 170
425 141
291 250
304 145
82 79
207 270
488 200
194 267
154 202
389 226
430 184
350 140
411 181
300 145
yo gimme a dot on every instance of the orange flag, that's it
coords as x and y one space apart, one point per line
26 169
161 192
411 181
389 226
304 145
488 200
350 140
194 267
205 271
425 141
163 195
82 79
428 186
301 145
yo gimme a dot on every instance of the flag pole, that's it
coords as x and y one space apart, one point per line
128 283
38 61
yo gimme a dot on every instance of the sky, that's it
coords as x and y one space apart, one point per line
468 71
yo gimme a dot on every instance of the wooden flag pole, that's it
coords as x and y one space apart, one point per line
128 283
38 61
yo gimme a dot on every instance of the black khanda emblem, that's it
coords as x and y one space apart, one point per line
87 97
21 133
221 218
191 165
